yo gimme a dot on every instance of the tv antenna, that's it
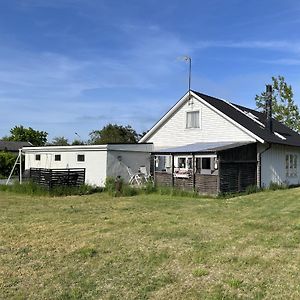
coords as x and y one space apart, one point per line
188 59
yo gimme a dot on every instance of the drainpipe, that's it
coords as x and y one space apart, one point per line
260 155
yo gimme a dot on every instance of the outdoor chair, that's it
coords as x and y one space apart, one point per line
143 171
134 177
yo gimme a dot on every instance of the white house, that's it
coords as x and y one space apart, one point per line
99 161
213 145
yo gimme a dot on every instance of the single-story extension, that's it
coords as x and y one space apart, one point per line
214 146
97 161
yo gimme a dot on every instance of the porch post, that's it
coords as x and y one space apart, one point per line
194 173
172 170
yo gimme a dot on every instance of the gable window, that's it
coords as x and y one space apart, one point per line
57 157
291 165
80 157
192 119
38 157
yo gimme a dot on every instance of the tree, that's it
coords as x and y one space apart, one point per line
77 142
283 106
60 141
113 133
22 134
7 161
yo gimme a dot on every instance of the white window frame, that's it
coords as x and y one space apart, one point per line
193 125
291 164
80 161
58 156
213 163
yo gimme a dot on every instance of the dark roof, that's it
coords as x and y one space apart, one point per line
254 121
202 147
13 146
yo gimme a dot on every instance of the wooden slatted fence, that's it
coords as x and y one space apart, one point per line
57 177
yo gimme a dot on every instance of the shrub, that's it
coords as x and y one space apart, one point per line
7 161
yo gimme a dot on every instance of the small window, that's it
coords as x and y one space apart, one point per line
291 165
206 163
189 163
38 157
80 157
192 119
181 162
57 157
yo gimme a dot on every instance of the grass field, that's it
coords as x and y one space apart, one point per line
150 247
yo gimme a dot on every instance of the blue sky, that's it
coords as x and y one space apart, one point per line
71 66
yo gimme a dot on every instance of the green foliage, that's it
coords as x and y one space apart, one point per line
252 189
86 252
7 161
150 247
200 272
77 142
110 186
60 141
33 189
22 134
284 108
235 283
113 133
276 186
148 188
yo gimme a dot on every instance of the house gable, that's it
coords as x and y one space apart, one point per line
214 126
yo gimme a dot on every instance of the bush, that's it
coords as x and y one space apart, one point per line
7 161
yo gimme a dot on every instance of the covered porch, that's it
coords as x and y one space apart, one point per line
207 168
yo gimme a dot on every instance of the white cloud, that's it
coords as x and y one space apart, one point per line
286 46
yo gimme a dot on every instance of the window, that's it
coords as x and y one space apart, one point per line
206 163
192 119
189 163
291 165
80 157
38 157
57 157
181 162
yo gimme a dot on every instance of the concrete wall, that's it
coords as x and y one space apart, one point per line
273 168
213 128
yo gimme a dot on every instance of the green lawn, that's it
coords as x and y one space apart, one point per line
150 247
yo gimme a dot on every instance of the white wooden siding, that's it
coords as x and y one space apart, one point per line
213 128
273 165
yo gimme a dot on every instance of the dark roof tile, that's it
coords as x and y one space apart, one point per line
238 113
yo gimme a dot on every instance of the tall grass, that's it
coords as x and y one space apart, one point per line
120 189
31 188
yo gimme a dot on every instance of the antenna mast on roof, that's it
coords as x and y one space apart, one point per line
189 60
